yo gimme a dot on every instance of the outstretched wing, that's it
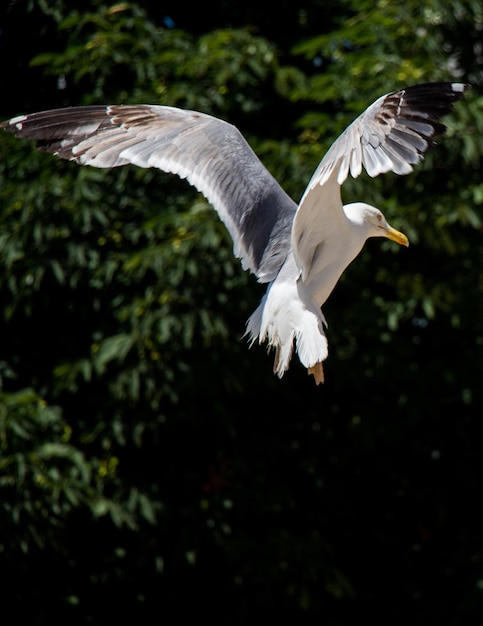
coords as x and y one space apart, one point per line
392 134
210 153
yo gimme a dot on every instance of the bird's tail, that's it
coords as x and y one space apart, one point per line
281 321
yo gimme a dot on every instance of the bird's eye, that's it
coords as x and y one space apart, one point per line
379 217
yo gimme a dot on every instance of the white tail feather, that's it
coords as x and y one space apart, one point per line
283 316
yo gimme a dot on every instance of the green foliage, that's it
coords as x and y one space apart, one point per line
120 47
43 476
150 461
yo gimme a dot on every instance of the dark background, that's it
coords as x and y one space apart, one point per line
152 468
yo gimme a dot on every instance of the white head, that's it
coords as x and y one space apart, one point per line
373 222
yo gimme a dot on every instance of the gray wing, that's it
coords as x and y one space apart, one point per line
391 135
210 153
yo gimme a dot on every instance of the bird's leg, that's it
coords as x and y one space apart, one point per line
276 360
318 372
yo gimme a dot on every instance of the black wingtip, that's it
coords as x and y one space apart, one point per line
435 95
429 102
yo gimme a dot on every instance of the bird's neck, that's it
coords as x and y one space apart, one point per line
334 258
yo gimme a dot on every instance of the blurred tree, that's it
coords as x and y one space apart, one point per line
150 461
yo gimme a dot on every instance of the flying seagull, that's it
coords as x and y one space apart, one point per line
299 250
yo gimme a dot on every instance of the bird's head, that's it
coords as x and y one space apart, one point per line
373 222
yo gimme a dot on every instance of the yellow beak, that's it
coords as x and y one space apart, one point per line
395 235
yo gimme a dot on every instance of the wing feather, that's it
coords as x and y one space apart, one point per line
408 118
210 153
392 134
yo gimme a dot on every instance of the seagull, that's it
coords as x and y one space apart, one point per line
299 250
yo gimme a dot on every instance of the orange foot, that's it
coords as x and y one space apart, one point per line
318 372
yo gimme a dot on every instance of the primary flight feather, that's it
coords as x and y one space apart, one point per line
299 250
